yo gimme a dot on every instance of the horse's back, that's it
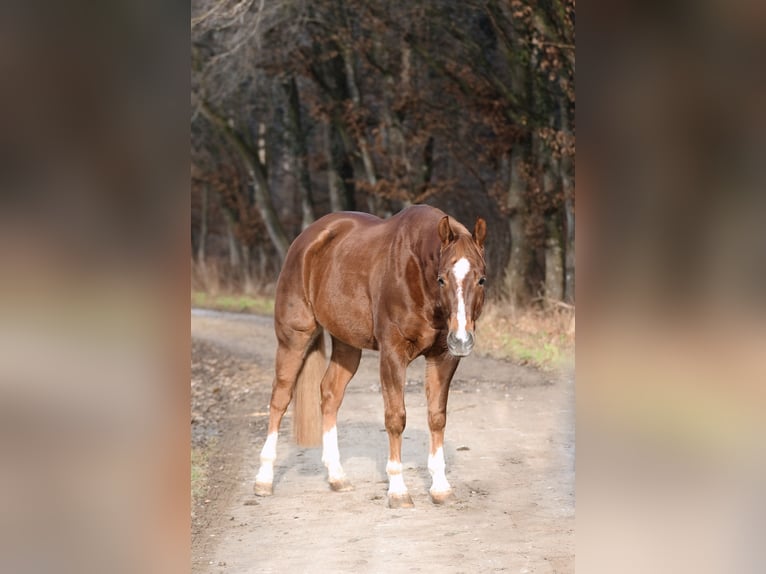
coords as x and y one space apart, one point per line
327 239
354 240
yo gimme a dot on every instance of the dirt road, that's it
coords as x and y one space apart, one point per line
509 447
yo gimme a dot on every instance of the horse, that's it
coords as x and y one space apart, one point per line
409 285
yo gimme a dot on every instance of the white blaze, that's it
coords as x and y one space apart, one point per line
460 270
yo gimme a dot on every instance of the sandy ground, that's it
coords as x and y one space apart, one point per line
509 447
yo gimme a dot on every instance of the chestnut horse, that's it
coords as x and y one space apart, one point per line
410 285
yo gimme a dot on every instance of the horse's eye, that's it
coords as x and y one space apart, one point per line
482 281
440 279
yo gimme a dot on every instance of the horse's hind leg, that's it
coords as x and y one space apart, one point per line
344 362
291 351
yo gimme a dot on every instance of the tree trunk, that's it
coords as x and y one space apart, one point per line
201 245
247 278
333 179
356 98
299 151
339 197
554 263
234 255
428 166
566 168
394 140
345 164
263 262
569 240
516 285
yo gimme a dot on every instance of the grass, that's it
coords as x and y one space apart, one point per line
542 338
258 304
538 352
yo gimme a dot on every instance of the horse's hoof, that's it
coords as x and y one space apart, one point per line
263 488
443 498
342 485
400 501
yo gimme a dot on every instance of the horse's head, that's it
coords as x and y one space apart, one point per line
461 282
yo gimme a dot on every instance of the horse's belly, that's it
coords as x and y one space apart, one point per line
353 337
350 322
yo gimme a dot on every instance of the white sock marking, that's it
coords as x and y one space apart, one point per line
396 484
331 455
460 269
436 468
268 456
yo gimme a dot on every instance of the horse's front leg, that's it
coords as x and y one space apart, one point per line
439 371
392 374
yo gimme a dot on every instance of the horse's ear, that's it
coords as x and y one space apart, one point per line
480 232
445 231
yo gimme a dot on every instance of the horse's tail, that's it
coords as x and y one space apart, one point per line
307 420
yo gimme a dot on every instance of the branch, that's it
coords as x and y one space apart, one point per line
236 12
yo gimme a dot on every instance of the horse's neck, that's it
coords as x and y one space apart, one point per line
429 254
428 251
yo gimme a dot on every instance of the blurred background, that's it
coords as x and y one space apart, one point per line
671 379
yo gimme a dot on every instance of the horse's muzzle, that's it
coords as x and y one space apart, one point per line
460 347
